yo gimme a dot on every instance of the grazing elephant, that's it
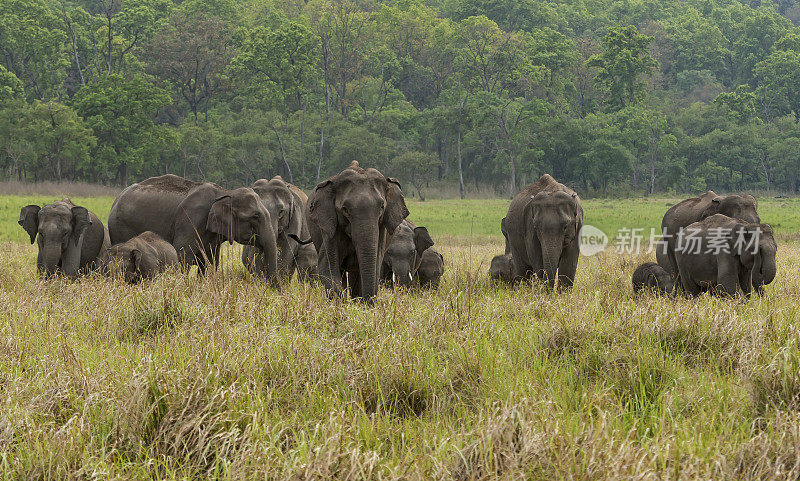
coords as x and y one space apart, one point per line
725 255
142 257
651 276
196 218
286 205
541 229
352 216
71 239
404 255
680 215
431 269
500 269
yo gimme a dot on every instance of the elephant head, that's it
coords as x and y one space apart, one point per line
360 208
555 219
286 210
736 206
60 227
756 247
405 252
129 262
500 269
240 216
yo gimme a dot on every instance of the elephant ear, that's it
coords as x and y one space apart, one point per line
220 218
295 214
29 220
752 197
80 222
321 208
136 259
422 240
396 209
713 208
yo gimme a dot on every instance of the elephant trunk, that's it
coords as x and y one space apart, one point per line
365 240
764 269
551 254
51 256
269 248
402 273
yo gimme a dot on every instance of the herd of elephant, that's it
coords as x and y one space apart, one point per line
352 233
731 251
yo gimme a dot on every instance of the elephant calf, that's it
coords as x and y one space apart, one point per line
142 257
402 259
431 269
652 276
500 269
71 239
725 256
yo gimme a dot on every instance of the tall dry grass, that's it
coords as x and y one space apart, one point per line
220 377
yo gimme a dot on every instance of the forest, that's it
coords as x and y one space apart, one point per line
612 97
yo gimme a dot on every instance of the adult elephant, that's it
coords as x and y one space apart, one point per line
352 216
403 258
70 238
195 217
541 231
286 205
680 215
726 256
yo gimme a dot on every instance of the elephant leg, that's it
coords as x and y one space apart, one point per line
727 276
534 254
568 265
330 274
355 283
689 286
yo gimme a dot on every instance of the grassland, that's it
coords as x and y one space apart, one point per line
222 378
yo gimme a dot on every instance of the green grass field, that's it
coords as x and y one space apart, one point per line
222 378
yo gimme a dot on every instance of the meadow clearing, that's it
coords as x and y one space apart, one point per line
219 377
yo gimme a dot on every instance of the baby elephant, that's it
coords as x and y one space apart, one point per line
500 270
652 276
142 257
431 268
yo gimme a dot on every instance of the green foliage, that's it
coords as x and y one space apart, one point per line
608 96
623 61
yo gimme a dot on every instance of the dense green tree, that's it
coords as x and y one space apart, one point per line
622 63
121 112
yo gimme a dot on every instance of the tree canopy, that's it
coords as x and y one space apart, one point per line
609 97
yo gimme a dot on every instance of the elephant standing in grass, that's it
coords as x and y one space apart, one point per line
71 239
725 256
403 258
196 218
286 205
352 216
142 257
541 230
680 215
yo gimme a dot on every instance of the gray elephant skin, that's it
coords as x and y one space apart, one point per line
196 218
680 215
352 216
541 229
142 257
286 205
71 239
747 263
403 258
500 269
651 276
431 269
